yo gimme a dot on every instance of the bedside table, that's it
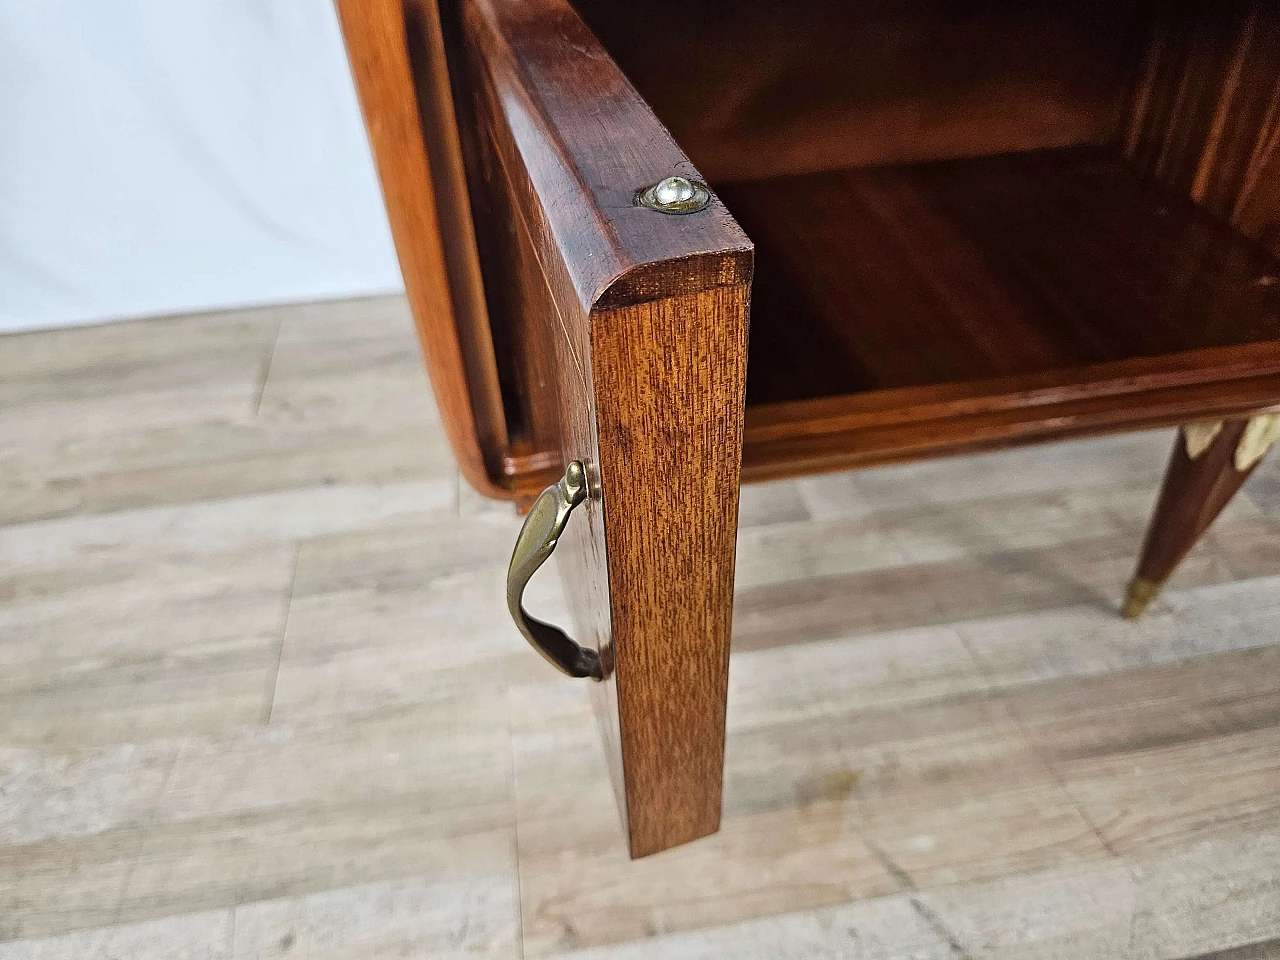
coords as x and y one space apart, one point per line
948 228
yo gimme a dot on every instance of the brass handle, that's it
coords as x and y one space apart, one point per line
538 537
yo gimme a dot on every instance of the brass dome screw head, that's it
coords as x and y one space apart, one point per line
675 195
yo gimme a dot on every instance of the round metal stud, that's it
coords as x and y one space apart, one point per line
675 195
673 190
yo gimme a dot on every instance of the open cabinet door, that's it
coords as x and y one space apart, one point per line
627 329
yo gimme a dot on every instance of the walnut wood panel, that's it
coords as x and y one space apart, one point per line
634 340
909 311
969 270
408 111
758 89
517 284
1204 115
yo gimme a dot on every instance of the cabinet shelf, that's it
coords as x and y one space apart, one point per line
1008 283
878 278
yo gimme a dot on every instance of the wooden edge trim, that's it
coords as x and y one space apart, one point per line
777 453
530 471
914 404
377 51
453 200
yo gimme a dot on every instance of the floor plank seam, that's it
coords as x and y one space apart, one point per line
270 693
143 834
918 906
515 832
999 692
231 933
266 369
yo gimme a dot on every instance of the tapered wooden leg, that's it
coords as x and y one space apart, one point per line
1210 462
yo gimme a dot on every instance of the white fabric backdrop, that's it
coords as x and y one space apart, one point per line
159 156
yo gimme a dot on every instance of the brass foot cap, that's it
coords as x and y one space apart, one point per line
1141 592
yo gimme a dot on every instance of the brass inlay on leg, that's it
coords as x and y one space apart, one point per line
1141 592
1259 435
1199 437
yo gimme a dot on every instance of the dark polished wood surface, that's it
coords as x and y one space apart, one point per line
787 440
762 88
1052 266
875 279
871 278
917 310
1204 112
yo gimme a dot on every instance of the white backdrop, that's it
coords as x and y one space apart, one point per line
159 156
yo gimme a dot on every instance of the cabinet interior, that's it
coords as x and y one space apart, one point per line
944 192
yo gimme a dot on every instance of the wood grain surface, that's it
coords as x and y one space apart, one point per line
630 328
669 380
1048 264
857 83
397 58
911 311
971 270
1204 112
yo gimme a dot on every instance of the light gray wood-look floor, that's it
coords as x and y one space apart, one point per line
259 696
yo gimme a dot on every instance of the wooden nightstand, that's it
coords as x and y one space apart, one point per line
969 226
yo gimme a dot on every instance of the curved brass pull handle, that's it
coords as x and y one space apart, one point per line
542 528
